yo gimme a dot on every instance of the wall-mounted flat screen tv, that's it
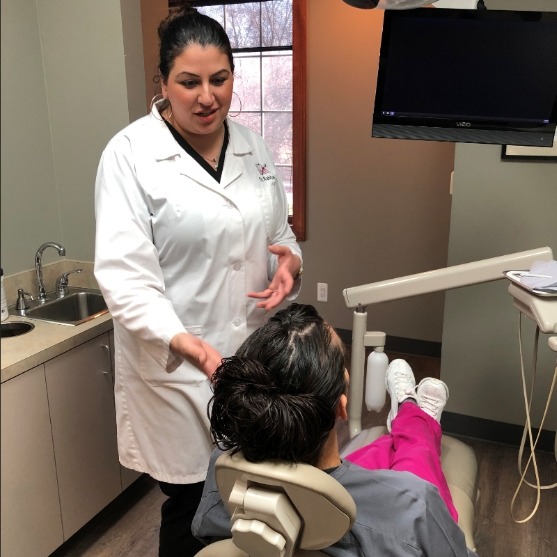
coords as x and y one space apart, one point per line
472 76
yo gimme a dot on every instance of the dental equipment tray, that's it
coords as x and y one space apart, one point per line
547 292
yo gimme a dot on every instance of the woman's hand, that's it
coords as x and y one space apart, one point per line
288 267
196 351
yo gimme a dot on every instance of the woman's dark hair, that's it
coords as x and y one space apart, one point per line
183 27
277 397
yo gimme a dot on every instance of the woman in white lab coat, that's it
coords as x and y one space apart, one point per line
193 247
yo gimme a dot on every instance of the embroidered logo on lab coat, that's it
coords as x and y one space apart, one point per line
264 172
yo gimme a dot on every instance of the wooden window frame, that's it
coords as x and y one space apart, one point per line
299 47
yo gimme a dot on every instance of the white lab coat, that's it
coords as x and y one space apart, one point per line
177 251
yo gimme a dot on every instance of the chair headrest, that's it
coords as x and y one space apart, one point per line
327 510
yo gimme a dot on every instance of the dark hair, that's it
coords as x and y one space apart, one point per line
276 398
183 27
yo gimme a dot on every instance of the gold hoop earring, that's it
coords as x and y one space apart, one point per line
154 100
158 97
166 104
240 109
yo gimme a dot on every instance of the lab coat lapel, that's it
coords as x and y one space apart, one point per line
238 150
189 167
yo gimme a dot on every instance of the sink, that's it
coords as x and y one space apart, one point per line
16 328
79 306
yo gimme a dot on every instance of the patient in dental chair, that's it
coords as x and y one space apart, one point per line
279 398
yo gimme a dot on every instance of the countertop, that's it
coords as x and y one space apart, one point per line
46 341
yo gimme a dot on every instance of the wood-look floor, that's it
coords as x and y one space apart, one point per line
129 526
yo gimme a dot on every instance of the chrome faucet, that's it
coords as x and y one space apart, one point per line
39 266
62 282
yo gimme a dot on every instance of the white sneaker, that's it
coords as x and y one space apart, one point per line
401 385
432 396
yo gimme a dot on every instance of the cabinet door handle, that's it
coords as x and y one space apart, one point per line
106 349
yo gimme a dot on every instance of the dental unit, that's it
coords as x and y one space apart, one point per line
538 304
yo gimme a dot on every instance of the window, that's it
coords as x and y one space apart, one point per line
268 42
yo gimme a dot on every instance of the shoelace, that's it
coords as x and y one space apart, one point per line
430 405
403 390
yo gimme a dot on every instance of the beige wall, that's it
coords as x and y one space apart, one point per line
132 32
152 12
499 207
377 208
64 94
28 183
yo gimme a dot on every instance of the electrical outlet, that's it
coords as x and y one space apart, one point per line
322 291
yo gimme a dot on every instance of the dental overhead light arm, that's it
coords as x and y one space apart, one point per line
388 4
457 276
409 4
485 270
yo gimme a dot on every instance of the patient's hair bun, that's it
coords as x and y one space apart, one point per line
251 413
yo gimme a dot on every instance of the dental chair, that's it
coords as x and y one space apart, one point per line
279 509
284 510
458 460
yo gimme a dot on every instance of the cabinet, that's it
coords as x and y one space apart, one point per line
31 520
81 398
59 452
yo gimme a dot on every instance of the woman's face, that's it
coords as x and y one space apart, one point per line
199 88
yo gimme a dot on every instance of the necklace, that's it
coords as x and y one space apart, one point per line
214 161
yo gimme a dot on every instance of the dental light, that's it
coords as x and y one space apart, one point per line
409 4
387 4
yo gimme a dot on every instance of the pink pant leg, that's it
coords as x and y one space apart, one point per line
414 445
417 449
378 455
